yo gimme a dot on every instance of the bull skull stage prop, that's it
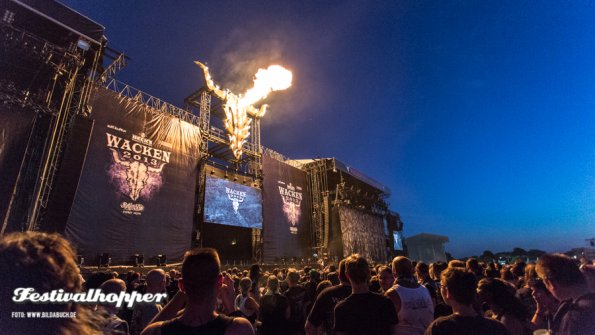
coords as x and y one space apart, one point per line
238 108
137 174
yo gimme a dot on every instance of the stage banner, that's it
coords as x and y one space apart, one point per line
232 204
362 233
16 124
136 194
287 212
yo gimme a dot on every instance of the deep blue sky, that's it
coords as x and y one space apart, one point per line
479 115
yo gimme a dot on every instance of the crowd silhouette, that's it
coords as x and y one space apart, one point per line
555 295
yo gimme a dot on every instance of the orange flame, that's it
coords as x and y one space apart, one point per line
237 123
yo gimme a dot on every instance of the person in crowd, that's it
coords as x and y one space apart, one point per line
374 283
435 271
385 274
490 271
142 314
518 271
323 285
172 288
114 324
455 263
363 312
412 302
588 271
274 309
44 262
321 317
524 294
563 278
95 279
441 308
254 276
458 288
226 296
134 283
333 277
312 284
504 306
244 303
201 279
546 304
507 276
472 265
296 296
422 272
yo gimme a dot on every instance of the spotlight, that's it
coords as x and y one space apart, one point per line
82 44
161 260
138 260
105 260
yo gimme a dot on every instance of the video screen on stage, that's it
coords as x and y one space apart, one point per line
398 243
233 204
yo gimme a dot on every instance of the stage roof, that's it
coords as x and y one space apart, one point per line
65 17
351 171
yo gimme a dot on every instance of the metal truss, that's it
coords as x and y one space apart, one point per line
152 102
318 181
281 158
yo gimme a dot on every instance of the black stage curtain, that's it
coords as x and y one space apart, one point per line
137 189
16 124
287 212
234 244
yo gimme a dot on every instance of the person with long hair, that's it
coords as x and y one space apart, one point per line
505 306
274 309
244 301
44 262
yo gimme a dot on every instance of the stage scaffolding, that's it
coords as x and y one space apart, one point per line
333 183
59 87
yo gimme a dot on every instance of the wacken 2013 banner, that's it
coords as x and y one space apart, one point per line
287 212
136 194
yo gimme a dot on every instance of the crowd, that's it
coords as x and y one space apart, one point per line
554 296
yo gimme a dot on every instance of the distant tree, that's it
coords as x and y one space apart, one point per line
519 252
487 255
534 253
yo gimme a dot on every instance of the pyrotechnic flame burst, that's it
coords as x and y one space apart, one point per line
237 107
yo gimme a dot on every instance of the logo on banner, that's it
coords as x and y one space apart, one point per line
236 197
292 200
136 169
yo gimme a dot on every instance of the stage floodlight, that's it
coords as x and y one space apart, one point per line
8 17
139 260
105 260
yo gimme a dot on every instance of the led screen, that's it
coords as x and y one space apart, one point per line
232 204
398 244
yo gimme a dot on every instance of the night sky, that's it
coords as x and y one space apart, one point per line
478 115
